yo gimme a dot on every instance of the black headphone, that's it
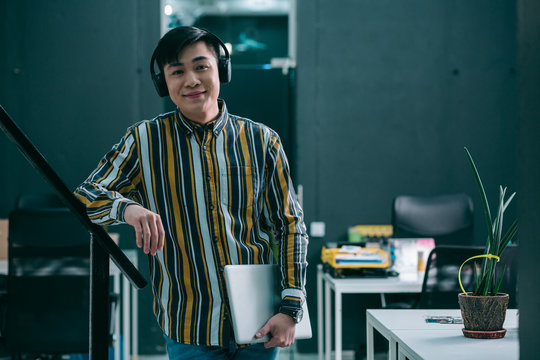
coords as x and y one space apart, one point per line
224 66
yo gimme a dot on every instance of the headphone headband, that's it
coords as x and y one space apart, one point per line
224 63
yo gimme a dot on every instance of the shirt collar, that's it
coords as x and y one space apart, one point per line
217 125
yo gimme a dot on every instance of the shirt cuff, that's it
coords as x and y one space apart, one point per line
118 208
293 298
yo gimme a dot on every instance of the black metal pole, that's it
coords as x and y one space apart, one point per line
37 160
99 301
101 244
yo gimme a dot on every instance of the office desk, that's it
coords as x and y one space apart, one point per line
128 306
409 336
351 286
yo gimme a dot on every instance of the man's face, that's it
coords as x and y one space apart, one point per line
193 82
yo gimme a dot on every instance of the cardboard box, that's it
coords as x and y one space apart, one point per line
3 239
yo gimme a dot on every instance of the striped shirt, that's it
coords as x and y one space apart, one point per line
223 191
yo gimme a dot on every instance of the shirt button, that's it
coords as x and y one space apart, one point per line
211 207
208 177
204 147
216 239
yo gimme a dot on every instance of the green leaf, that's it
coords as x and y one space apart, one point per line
512 230
486 262
498 223
509 200
496 289
486 279
485 203
475 279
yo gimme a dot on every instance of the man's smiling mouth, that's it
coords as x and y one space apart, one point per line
194 94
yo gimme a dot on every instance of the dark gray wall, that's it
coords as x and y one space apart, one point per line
389 93
74 76
529 174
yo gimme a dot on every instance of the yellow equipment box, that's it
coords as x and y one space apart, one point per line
355 257
361 233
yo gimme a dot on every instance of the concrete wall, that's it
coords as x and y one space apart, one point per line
388 95
74 76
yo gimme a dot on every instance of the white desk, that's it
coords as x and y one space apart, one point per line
409 336
350 286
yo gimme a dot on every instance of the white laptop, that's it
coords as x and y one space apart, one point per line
254 297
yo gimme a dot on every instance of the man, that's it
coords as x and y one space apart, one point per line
203 189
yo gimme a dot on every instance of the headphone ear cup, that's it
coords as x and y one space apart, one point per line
224 69
160 84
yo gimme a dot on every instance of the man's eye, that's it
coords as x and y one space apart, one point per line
178 72
202 67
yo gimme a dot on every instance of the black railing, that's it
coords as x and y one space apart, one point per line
102 247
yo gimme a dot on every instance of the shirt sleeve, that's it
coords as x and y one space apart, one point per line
286 216
111 186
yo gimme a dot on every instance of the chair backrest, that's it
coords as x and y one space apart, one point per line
48 279
440 287
446 218
38 201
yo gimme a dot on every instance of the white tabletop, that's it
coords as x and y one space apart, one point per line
452 345
399 284
415 319
421 340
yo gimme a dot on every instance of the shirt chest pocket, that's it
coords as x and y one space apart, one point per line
237 187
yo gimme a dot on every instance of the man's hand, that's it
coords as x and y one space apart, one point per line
148 228
282 328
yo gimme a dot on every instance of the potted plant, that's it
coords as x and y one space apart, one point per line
484 309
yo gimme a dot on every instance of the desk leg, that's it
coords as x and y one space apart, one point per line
383 301
369 334
404 354
337 316
135 316
117 308
126 317
392 347
320 313
327 320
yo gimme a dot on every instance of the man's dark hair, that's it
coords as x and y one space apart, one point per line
174 41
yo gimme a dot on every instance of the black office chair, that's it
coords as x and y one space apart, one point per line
48 280
440 287
446 218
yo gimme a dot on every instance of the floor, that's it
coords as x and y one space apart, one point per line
288 355
285 354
